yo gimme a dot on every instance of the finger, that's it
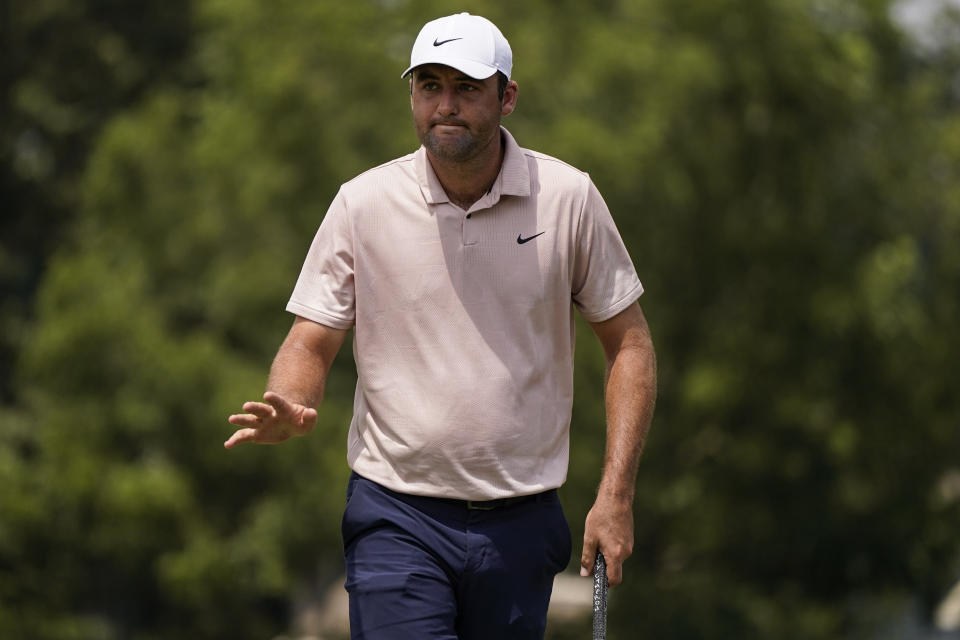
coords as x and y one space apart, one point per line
240 435
588 557
279 404
614 572
244 420
260 409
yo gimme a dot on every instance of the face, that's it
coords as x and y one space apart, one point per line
457 117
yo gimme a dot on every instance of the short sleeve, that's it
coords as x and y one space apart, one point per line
605 281
325 290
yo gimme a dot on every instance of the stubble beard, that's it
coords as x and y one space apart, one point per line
461 148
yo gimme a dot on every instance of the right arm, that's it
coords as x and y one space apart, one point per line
295 387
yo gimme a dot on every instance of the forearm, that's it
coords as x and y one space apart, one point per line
300 368
630 395
298 375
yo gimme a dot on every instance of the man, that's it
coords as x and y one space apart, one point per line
458 267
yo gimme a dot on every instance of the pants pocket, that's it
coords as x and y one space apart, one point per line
559 543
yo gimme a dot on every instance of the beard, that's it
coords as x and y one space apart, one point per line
460 148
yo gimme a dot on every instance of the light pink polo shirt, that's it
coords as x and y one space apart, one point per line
464 328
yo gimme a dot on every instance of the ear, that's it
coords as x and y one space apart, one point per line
509 98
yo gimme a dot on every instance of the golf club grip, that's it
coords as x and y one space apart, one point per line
600 597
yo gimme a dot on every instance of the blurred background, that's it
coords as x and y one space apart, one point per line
786 174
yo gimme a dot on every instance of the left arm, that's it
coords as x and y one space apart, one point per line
630 394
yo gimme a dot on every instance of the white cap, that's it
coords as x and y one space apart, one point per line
468 43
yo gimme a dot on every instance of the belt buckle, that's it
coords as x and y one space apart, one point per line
482 505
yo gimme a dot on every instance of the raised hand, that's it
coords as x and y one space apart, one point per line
274 420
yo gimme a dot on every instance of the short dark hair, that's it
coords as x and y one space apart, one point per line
502 81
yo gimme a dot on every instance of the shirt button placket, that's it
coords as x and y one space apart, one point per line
471 234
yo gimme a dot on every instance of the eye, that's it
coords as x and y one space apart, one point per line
429 86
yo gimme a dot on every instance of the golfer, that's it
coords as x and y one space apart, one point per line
458 267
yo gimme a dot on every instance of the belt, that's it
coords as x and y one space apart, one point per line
499 503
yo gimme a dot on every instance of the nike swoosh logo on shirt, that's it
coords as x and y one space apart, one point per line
521 239
437 43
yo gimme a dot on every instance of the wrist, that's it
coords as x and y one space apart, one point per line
616 493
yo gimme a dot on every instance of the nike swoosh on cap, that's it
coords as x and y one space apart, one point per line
437 43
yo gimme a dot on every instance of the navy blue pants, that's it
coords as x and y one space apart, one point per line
436 569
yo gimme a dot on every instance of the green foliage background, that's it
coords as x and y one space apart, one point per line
785 173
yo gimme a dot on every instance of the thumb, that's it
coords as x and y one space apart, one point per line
309 417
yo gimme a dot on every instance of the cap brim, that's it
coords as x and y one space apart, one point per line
472 68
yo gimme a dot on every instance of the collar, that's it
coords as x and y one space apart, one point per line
513 179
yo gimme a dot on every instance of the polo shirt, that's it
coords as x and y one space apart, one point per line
463 320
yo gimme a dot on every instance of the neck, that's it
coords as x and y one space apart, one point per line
466 182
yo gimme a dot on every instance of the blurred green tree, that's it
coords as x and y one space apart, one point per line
65 69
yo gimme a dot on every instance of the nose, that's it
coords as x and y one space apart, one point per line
448 102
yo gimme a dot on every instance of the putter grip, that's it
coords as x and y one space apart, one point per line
600 598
